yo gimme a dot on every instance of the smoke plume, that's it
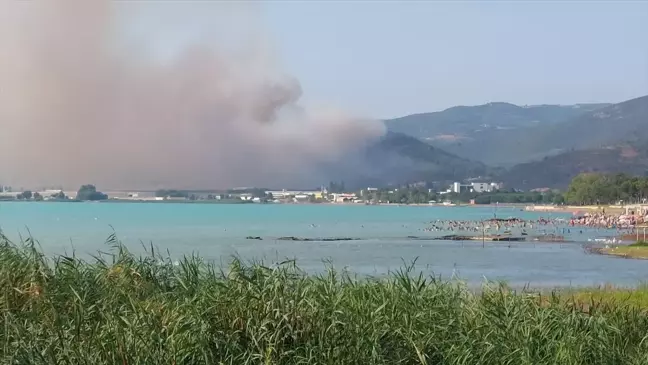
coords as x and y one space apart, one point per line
131 95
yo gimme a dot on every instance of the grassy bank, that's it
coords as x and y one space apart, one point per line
122 309
638 250
607 295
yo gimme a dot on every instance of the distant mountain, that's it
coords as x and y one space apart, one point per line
397 159
617 123
469 121
544 145
557 171
487 132
611 139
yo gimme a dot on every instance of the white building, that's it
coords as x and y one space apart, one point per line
283 194
458 187
367 190
246 196
481 187
477 187
344 197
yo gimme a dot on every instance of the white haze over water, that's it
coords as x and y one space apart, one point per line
157 94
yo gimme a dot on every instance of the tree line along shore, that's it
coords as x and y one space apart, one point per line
586 191
127 309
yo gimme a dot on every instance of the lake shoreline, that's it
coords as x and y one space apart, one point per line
610 210
383 238
622 252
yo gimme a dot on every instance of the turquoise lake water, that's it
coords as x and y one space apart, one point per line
218 231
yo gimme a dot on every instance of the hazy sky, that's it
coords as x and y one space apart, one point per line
384 59
184 93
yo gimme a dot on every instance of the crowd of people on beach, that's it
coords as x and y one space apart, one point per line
486 226
588 220
609 221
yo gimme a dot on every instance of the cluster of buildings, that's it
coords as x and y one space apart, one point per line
6 193
322 195
277 196
299 195
473 187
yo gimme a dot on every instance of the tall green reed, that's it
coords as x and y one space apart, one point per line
121 308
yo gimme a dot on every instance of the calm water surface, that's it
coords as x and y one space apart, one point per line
218 232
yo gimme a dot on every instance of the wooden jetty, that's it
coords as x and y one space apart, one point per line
638 233
550 238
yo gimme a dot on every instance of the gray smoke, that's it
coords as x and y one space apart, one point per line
90 94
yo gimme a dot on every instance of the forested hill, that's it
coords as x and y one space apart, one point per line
398 158
618 123
610 139
463 122
557 171
493 133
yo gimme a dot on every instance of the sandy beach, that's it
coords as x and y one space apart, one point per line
608 209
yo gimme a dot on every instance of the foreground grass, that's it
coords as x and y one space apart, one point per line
123 309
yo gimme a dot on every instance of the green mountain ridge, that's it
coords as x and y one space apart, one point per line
557 171
397 158
488 132
546 153
625 121
612 139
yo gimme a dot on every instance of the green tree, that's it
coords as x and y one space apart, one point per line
171 194
584 189
89 192
558 199
592 188
642 187
38 197
59 196
27 194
